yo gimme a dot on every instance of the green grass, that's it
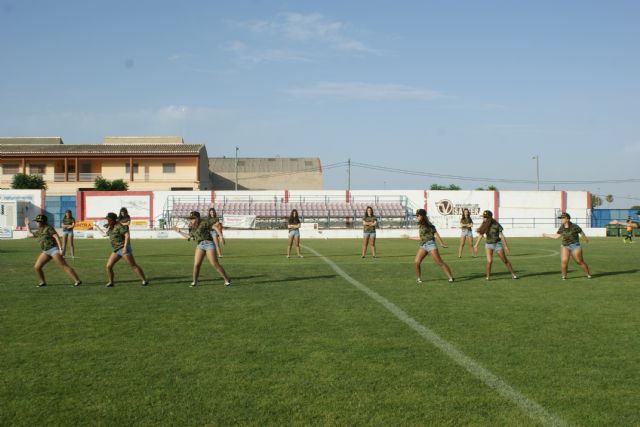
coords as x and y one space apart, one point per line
292 342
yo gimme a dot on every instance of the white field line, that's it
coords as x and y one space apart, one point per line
530 407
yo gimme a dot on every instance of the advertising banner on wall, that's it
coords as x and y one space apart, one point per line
239 221
444 208
96 204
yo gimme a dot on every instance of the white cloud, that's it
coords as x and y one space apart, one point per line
366 91
301 28
248 55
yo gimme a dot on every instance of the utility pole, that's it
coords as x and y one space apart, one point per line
237 168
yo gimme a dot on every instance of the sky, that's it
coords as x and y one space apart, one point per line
516 94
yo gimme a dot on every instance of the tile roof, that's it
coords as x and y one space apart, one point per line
97 149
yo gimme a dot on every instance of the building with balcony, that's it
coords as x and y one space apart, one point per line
144 163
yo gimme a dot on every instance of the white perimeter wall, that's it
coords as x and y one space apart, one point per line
522 213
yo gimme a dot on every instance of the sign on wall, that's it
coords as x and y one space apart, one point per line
444 208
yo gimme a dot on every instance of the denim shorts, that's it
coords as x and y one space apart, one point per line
572 247
369 234
51 252
466 233
207 245
429 246
497 246
294 233
67 232
123 251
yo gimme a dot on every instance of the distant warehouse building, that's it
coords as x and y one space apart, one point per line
144 163
273 173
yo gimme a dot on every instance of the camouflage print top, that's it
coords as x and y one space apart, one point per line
45 237
116 235
466 223
202 231
570 234
427 233
493 233
369 228
68 221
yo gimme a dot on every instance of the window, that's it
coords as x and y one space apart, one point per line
127 168
168 168
10 169
37 169
308 163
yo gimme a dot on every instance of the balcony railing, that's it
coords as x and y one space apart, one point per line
71 177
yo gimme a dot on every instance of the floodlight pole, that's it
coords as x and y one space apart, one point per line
537 158
237 168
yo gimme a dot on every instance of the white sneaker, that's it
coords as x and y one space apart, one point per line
193 284
418 281
227 284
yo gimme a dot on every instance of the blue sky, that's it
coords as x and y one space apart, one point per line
469 89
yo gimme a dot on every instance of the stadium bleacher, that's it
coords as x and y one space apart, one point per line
331 212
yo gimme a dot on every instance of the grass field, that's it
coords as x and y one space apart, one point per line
331 339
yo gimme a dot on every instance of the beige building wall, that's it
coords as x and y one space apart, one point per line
258 181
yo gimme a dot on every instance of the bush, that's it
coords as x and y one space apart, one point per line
103 184
23 181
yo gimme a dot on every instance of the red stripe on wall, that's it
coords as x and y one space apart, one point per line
496 200
563 201
588 200
286 196
425 199
347 195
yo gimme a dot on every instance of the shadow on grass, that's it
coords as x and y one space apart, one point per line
295 279
613 273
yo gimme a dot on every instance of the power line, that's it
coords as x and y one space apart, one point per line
486 179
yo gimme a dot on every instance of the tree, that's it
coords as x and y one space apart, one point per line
609 199
119 185
443 187
103 184
22 181
596 201
489 188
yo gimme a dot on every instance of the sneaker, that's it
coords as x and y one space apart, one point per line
514 277
487 278
288 257
564 277
227 284
300 256
418 281
109 285
41 285
589 276
145 283
451 280
78 283
193 284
